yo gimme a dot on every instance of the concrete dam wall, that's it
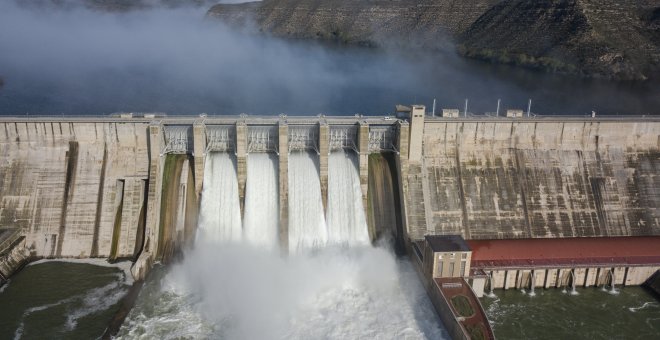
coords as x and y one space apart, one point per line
499 178
125 187
64 185
131 187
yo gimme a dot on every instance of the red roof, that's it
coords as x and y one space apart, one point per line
583 251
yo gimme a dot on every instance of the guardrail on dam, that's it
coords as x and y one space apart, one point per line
94 186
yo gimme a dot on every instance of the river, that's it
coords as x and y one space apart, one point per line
594 313
62 300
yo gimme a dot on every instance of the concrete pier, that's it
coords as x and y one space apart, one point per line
199 154
241 161
363 147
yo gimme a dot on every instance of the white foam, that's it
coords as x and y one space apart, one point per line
238 292
4 286
346 221
220 213
644 306
96 300
262 213
307 227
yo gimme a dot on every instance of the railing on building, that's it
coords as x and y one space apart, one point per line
263 138
383 138
178 139
343 137
304 138
220 138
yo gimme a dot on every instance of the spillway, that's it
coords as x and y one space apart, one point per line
261 220
220 213
307 227
346 221
241 290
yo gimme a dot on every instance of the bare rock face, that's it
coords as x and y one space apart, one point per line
601 38
112 5
597 38
365 22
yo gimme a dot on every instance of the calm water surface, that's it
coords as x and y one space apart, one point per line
87 62
633 313
60 300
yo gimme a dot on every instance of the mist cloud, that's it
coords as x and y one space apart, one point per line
82 61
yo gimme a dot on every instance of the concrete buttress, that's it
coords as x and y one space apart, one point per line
199 152
146 258
241 161
363 145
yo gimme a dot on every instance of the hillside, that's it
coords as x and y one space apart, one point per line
602 38
596 38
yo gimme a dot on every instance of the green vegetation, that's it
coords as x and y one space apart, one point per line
171 173
462 306
504 56
476 332
116 230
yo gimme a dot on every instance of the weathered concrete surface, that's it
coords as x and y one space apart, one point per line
653 283
178 209
59 181
382 205
363 165
511 179
13 253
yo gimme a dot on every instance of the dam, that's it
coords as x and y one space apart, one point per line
134 187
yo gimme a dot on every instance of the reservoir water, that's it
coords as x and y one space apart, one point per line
89 62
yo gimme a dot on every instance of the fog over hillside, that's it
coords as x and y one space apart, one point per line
77 60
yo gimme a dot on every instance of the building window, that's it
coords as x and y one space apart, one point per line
440 267
462 268
451 269
464 255
452 255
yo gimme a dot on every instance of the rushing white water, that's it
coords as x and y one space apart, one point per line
346 220
241 290
261 220
220 213
307 228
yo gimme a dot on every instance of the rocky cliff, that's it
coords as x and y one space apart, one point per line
600 38
605 38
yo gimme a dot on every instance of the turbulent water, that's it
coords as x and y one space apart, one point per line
346 220
261 221
220 213
307 227
231 289
65 300
592 313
